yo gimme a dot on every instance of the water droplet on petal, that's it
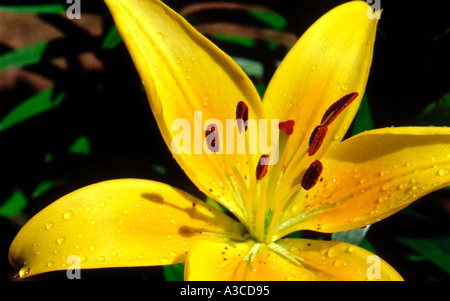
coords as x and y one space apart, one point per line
352 249
68 215
113 253
386 187
24 271
92 248
340 263
160 36
60 241
49 225
100 259
443 172
345 87
164 260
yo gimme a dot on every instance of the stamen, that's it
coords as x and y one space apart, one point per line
262 167
316 139
335 109
242 114
212 138
287 126
312 175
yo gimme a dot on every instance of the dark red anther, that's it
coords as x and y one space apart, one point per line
242 114
262 167
312 175
287 126
316 139
212 138
335 109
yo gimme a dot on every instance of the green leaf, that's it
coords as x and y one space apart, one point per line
31 107
80 146
365 244
271 18
436 113
34 9
14 204
214 204
436 249
174 272
42 188
159 169
234 39
363 120
250 67
112 39
22 57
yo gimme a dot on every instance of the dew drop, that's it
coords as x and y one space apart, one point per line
160 37
50 264
100 259
49 225
60 241
24 271
178 60
333 251
443 172
381 199
101 204
402 186
205 102
92 248
340 263
352 249
345 87
384 173
164 260
386 187
113 253
68 215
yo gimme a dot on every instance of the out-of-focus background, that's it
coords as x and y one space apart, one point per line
73 111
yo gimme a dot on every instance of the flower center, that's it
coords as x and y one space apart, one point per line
261 188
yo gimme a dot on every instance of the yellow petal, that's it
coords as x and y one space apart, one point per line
117 223
371 176
333 260
330 60
287 259
184 73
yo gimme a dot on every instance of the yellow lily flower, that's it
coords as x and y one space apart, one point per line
318 181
